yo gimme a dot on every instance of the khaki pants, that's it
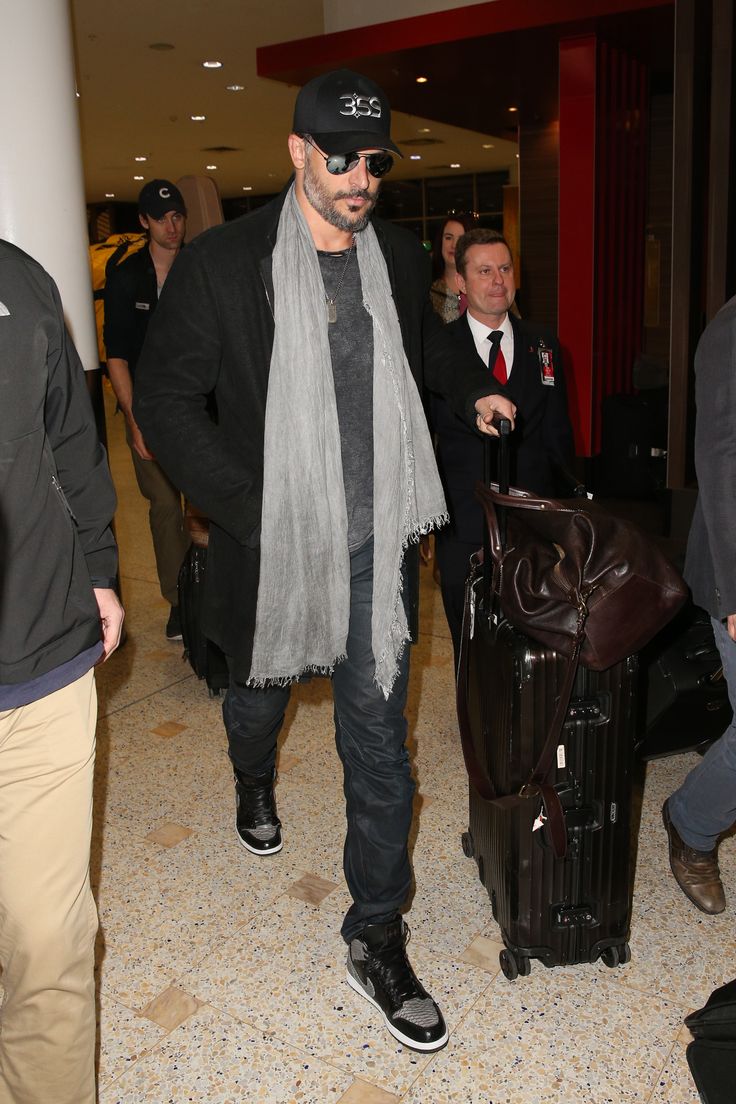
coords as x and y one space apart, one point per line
48 918
165 517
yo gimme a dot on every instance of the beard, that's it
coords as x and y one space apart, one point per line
324 203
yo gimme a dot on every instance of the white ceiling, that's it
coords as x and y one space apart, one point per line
137 101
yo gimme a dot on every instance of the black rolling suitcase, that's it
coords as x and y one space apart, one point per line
576 908
542 735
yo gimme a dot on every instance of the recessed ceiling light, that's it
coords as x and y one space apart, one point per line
212 65
488 145
455 165
424 130
234 87
415 157
517 157
513 109
210 166
109 195
77 95
161 46
140 158
422 80
139 178
198 118
247 188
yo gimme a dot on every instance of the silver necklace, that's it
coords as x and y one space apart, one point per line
331 301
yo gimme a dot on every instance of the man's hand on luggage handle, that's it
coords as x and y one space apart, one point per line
490 405
731 625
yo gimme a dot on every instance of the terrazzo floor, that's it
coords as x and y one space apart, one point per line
221 976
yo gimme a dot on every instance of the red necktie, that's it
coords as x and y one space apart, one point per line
496 361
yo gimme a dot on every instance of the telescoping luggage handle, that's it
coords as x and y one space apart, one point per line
503 427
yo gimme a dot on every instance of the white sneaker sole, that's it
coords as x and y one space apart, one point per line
407 1042
254 850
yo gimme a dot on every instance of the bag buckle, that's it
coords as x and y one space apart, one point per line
530 789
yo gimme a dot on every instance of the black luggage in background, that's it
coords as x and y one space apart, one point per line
206 659
633 458
684 693
561 910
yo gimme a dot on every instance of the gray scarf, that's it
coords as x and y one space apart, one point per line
304 583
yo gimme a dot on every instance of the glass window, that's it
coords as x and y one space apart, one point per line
449 193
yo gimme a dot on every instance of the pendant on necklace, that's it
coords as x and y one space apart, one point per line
331 310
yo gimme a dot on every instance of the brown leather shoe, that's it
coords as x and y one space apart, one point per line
696 872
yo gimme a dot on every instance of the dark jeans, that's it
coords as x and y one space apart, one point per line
370 733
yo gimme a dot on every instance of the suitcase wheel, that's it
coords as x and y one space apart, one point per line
616 955
466 841
508 965
514 966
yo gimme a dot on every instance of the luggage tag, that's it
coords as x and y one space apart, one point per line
540 821
546 364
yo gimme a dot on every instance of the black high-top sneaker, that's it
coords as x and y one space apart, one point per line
258 826
379 970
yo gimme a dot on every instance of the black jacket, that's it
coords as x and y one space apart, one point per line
542 435
212 333
56 496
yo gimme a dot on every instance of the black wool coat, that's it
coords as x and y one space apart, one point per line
211 336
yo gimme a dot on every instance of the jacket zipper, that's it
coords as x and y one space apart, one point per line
60 491
268 297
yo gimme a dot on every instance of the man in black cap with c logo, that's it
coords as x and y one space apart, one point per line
131 296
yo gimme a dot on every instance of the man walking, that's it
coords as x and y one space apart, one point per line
704 807
311 324
131 297
59 616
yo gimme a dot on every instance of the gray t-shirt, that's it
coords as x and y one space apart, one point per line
351 349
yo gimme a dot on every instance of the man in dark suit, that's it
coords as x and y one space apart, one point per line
525 359
704 807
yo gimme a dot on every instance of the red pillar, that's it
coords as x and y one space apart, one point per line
601 226
577 217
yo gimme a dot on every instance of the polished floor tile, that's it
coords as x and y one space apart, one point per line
222 975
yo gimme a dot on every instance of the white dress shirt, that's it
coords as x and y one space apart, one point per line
480 332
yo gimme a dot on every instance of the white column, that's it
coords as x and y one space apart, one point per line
42 206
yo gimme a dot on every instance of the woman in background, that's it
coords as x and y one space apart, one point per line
446 300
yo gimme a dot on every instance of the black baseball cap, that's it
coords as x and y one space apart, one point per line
158 197
344 111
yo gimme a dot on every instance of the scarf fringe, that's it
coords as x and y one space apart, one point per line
261 682
426 527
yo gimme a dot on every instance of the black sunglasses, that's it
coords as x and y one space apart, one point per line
377 164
